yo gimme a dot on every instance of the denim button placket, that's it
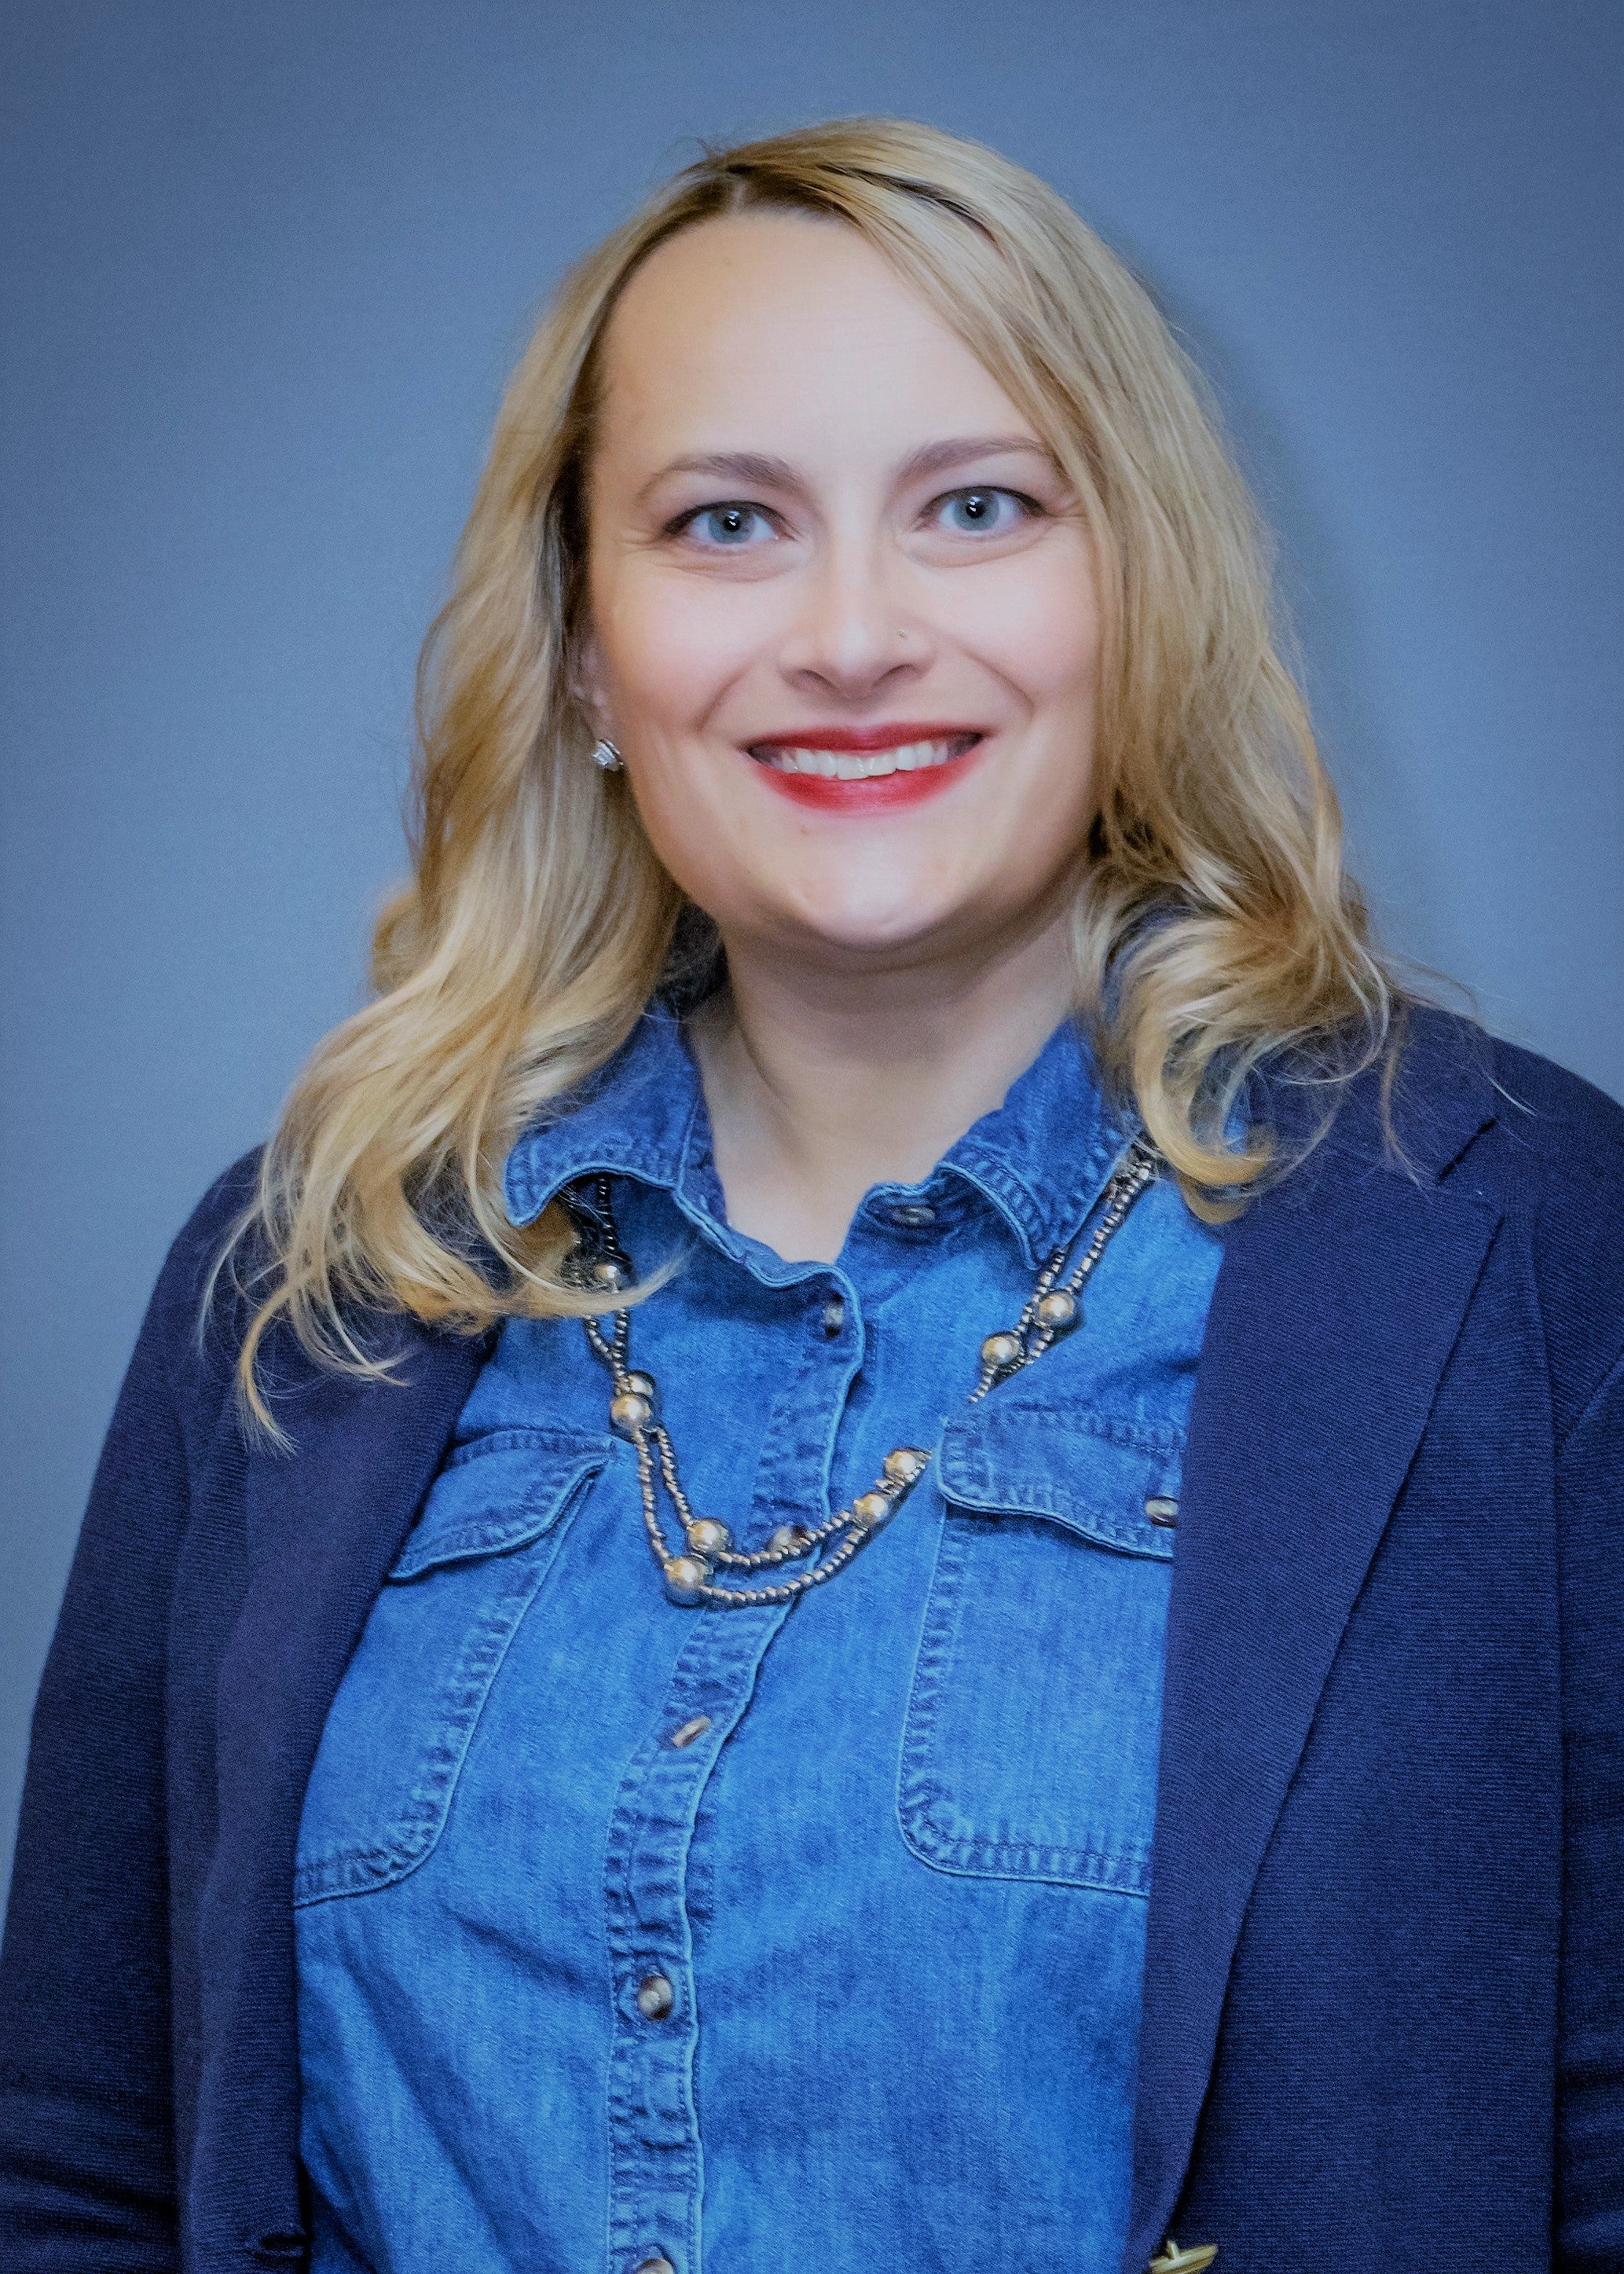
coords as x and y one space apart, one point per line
654 2153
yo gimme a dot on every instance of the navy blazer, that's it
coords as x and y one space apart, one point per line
1384 2007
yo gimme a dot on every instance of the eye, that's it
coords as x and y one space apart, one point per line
981 512
724 527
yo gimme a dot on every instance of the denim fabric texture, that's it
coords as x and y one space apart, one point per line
897 1885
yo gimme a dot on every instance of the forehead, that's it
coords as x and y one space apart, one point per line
786 324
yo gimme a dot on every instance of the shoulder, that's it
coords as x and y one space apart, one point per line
206 1235
1545 1149
199 1309
1555 1156
1475 1121
1462 1109
1541 1145
1556 1131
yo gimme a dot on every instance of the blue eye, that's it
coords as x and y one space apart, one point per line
973 513
728 525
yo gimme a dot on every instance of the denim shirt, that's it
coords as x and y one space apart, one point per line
877 1861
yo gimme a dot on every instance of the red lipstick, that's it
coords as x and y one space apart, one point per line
939 751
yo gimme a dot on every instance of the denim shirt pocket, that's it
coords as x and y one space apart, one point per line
406 1710
1034 1724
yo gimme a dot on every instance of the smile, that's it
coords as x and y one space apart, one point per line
867 769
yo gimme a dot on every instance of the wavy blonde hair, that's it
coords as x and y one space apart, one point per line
1214 925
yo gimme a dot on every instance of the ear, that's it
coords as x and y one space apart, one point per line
586 679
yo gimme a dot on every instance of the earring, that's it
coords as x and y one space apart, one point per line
605 755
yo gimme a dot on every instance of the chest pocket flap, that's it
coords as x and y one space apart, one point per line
1089 1471
408 1706
499 1492
1035 1718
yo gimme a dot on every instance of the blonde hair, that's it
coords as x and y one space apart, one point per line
1214 925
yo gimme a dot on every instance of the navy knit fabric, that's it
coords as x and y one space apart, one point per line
1384 1997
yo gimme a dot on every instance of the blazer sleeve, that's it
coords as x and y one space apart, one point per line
87 2161
1590 2237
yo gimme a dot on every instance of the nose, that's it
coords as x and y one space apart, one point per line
853 633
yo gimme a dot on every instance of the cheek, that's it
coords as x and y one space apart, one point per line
671 647
1036 626
711 843
672 650
1035 623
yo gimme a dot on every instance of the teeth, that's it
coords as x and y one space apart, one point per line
849 766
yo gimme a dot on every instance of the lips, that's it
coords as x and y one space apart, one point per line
867 769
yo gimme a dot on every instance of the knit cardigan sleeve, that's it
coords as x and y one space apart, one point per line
88 2175
1590 2116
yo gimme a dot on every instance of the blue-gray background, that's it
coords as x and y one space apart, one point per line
264 271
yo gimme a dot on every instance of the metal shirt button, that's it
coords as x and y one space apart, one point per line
655 1997
689 1730
914 1216
655 2266
1161 1510
833 1317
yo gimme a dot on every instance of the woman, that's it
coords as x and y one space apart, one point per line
892 1541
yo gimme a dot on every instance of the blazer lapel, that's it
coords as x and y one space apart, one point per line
323 1525
1339 1300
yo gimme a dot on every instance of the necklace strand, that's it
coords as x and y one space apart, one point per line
599 1261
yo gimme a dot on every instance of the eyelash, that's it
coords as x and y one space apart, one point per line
1031 508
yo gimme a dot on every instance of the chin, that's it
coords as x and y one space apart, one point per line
858 917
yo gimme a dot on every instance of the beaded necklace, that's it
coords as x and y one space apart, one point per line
599 1261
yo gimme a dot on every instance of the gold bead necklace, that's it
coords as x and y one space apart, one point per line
599 1261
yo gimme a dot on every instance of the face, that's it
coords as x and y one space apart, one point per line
843 620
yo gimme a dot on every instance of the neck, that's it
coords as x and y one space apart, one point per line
823 1082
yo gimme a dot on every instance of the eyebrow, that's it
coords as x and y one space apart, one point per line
752 467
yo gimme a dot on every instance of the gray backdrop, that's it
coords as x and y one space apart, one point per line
265 270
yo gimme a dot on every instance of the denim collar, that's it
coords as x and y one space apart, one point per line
1039 1159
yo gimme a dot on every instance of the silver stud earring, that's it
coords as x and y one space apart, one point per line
605 755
